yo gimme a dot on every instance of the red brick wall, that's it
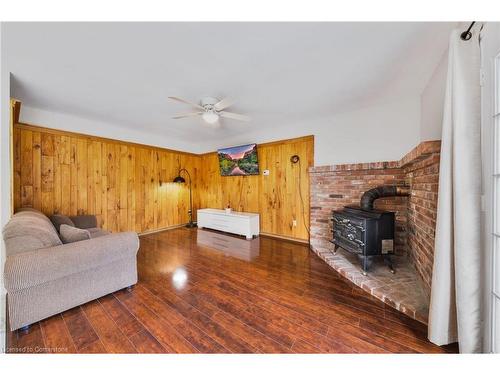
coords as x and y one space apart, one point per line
423 177
336 186
333 187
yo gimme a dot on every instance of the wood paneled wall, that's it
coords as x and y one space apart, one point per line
277 197
68 173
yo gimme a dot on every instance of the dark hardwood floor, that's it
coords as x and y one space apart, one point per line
275 297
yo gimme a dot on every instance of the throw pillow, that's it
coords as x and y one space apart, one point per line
58 220
71 234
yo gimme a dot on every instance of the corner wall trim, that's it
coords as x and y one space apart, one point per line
161 229
286 238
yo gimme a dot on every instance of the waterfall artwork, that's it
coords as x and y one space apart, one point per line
239 160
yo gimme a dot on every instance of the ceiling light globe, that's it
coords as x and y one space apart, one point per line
210 117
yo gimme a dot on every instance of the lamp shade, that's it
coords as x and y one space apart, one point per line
179 180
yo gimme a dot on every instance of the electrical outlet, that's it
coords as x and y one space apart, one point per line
265 172
294 222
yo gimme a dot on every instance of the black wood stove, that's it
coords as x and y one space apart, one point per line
365 231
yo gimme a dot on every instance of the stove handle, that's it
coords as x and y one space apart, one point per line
354 226
340 221
348 223
351 237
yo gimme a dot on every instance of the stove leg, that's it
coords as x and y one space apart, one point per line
365 265
388 261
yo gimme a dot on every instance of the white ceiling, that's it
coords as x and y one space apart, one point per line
279 73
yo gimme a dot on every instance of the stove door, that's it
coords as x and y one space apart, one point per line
349 233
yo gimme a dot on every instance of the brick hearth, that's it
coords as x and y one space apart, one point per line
403 290
333 187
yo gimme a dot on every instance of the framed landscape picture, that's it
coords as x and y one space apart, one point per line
239 160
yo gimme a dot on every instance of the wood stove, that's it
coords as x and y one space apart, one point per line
365 231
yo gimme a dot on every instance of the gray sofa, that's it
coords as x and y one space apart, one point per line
44 277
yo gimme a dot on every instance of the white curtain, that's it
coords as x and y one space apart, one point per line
455 309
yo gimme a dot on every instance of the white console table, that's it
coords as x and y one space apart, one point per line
242 223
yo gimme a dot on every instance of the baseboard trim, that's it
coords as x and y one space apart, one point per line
285 238
161 229
264 234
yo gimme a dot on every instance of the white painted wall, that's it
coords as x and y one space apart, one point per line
382 131
5 178
68 122
283 73
433 102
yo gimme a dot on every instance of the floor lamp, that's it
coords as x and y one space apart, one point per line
180 180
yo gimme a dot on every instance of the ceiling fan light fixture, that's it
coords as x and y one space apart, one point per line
210 109
210 117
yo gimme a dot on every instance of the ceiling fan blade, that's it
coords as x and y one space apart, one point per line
234 116
183 115
223 104
186 102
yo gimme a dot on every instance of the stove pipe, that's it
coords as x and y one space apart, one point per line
369 197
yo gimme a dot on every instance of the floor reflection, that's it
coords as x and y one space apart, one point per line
179 278
230 245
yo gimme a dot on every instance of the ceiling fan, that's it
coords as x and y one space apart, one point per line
210 109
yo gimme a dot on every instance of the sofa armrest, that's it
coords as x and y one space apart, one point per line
84 221
36 267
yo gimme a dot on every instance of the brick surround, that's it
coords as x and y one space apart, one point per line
422 175
335 186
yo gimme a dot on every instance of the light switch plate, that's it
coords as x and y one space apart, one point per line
265 172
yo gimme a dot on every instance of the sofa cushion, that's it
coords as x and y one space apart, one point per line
71 234
84 221
58 220
32 211
97 232
28 230
41 266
